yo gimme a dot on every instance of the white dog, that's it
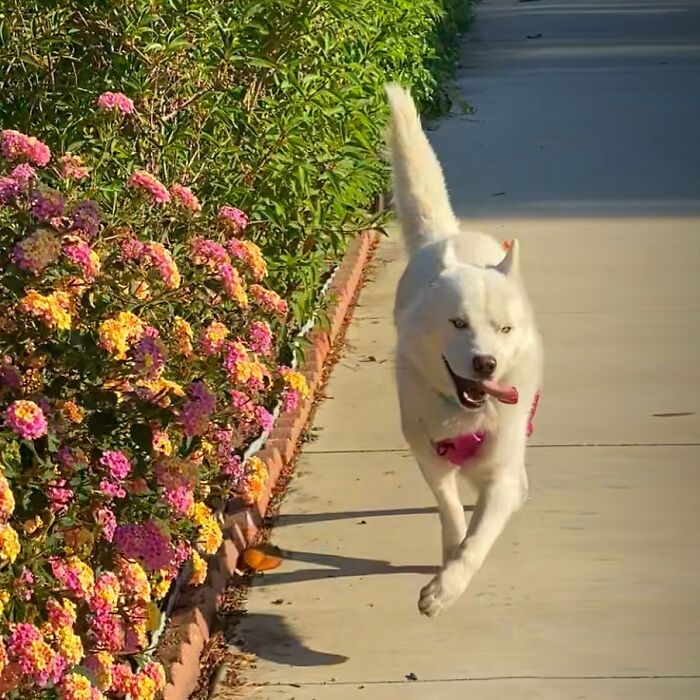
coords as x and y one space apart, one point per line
468 359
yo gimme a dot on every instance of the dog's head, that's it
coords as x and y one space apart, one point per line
466 330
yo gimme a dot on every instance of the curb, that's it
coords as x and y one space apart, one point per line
194 611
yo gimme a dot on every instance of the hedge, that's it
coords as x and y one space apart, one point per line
274 105
176 179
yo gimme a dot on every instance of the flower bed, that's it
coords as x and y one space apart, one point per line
139 348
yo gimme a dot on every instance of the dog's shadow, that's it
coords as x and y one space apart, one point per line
336 565
271 636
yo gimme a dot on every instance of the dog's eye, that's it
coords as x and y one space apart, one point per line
459 323
506 329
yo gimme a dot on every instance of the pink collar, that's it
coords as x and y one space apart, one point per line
462 448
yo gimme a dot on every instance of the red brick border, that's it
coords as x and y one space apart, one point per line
194 612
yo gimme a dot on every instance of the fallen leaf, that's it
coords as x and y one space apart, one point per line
262 558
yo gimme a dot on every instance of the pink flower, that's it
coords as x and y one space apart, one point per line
23 174
80 253
232 466
85 219
26 419
260 337
10 376
264 418
233 285
37 251
24 585
61 614
241 402
150 355
47 205
196 413
157 255
290 400
185 196
108 631
105 595
154 670
234 219
74 575
109 488
59 495
212 337
236 361
66 458
270 301
117 463
106 519
142 180
18 182
117 101
27 647
131 249
15 146
9 190
250 254
180 499
208 252
71 167
145 543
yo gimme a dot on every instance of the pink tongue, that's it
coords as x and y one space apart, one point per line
505 394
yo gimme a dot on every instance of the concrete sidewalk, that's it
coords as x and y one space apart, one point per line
586 146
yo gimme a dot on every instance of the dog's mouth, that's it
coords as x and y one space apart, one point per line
472 394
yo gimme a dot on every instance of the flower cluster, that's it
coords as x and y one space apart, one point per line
116 101
139 363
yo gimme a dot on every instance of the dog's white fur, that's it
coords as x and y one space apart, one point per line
457 275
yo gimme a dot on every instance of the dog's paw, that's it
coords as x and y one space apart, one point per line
443 590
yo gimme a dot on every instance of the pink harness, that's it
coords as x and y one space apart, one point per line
463 447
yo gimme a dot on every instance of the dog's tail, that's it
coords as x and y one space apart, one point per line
420 195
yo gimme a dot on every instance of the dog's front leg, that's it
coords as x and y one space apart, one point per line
497 502
443 483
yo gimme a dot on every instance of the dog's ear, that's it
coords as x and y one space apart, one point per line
449 256
510 265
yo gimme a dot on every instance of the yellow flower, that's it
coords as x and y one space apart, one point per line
7 499
75 686
9 544
72 411
141 290
69 645
199 569
295 380
182 332
118 333
255 259
161 443
160 588
255 478
53 310
4 600
154 616
142 687
210 537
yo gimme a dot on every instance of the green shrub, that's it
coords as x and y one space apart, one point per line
275 106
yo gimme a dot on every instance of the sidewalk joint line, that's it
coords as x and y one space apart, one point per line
488 679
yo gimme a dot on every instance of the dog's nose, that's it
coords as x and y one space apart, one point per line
484 365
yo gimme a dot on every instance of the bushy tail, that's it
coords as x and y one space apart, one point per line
420 195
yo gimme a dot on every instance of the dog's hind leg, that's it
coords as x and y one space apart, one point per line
497 502
442 481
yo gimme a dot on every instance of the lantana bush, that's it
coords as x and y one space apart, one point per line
139 349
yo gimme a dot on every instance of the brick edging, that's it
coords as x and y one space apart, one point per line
194 613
